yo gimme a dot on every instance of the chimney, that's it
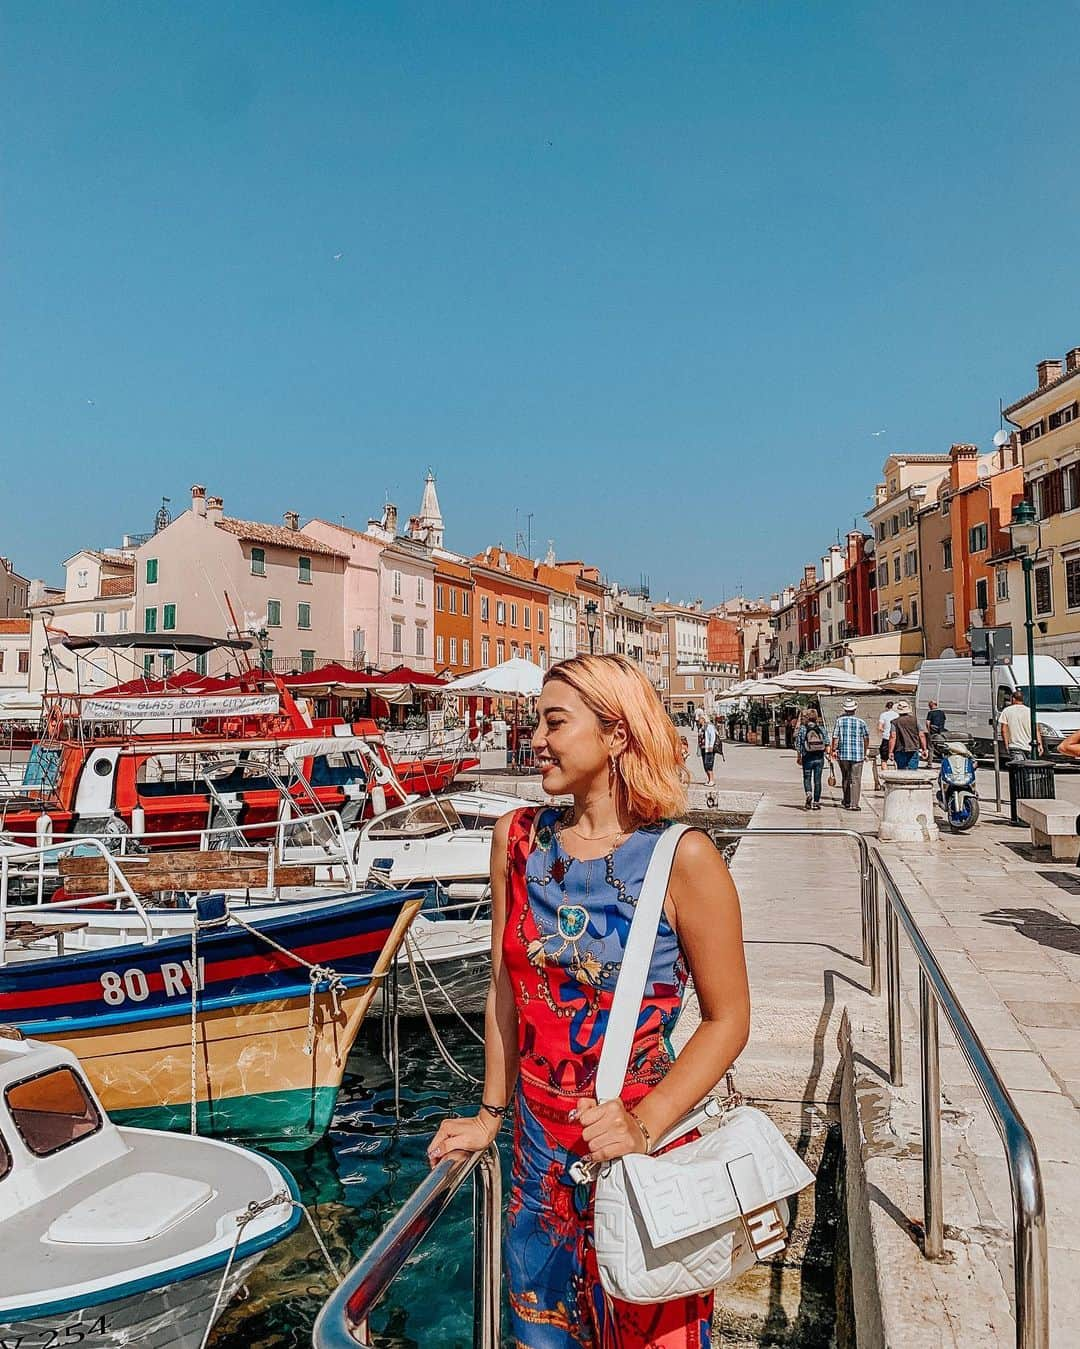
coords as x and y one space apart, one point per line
1047 371
214 508
389 519
292 520
1072 360
809 575
965 466
198 499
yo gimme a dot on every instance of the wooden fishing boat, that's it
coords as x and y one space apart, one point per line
259 1045
116 1236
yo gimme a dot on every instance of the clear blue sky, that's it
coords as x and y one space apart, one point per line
654 272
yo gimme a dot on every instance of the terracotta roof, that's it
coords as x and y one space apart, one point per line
1037 393
112 586
277 536
455 570
14 626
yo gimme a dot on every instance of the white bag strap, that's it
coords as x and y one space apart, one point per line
630 985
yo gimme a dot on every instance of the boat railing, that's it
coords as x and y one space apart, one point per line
344 1321
120 895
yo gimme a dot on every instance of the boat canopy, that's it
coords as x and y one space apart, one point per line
187 642
296 750
339 681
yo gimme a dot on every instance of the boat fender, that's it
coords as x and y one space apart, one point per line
138 821
43 829
378 799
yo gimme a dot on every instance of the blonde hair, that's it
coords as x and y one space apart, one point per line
649 774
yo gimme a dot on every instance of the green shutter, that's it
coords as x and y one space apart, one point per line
150 620
273 613
151 571
168 617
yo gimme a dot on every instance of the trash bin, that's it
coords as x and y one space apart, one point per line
1030 779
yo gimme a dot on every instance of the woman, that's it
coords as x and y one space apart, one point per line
564 885
811 743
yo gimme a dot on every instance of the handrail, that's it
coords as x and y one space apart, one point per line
1025 1178
343 1321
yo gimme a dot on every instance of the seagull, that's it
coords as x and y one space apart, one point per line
90 403
877 433
338 257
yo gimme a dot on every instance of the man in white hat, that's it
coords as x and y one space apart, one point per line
907 739
851 737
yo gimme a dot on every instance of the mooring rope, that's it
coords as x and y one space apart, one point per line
444 1053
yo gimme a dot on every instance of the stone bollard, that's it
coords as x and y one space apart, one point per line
908 813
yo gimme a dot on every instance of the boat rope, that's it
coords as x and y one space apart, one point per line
418 951
321 979
444 1053
249 1215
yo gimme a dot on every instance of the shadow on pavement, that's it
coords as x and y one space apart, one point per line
1039 926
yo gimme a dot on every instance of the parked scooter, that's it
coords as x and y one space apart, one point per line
956 794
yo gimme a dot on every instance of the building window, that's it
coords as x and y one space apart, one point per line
307 662
1062 417
151 571
1044 599
485 651
911 562
485 609
168 617
977 538
1072 582
896 568
303 570
883 580
397 585
500 611
500 651
440 649
946 507
894 526
420 590
453 650
359 644
453 600
950 610
465 605
914 613
1001 588
465 652
513 615
303 615
439 593
526 617
982 595
150 620
202 664
99 621
540 621
420 650
268 658
24 661
168 665
528 650
148 667
396 645
273 613
1030 433
879 530
513 650
123 625
946 554
258 561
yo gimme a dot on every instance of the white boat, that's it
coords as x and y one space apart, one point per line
118 1236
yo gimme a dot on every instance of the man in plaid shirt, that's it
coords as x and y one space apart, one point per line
850 739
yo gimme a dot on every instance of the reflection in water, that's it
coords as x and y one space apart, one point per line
354 1181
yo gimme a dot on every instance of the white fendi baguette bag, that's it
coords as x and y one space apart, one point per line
698 1216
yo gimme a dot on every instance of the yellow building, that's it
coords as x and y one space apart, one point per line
1049 422
910 481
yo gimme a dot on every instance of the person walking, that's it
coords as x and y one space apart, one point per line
906 739
850 741
811 743
1015 723
706 739
718 726
884 726
935 727
564 883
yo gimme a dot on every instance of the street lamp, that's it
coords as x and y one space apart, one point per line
1024 531
592 610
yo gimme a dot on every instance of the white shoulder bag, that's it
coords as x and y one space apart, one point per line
701 1214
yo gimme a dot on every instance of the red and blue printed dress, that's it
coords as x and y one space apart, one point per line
566 927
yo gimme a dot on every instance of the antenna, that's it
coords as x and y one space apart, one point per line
523 541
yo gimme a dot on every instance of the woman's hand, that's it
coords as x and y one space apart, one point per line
472 1133
609 1130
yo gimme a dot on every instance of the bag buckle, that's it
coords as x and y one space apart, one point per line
766 1230
583 1172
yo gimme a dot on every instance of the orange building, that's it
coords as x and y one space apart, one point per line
512 609
724 641
978 503
455 640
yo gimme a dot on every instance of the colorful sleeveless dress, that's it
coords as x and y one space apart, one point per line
566 927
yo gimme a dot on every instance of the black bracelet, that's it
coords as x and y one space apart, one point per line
497 1110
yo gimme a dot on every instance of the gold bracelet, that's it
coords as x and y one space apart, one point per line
646 1136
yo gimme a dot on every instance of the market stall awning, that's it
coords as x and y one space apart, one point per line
514 678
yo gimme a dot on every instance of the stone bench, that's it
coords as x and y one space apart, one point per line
1053 826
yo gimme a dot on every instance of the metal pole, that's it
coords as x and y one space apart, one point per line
487 1253
892 969
933 1224
993 722
1028 563
875 933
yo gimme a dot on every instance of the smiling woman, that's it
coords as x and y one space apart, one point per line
564 889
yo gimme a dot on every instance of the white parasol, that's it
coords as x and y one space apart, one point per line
829 679
515 678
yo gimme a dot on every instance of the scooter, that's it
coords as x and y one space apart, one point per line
956 793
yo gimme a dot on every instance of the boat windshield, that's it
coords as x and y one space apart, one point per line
427 820
52 1110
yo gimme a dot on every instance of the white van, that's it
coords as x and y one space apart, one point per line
962 691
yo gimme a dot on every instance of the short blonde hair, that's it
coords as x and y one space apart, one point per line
649 776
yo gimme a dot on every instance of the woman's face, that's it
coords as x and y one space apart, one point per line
569 747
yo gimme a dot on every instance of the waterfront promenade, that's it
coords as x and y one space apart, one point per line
1003 922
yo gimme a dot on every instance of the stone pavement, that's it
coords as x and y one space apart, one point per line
1005 925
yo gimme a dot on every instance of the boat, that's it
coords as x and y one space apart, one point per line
168 759
241 1025
117 1236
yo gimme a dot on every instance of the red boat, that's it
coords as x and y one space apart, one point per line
168 759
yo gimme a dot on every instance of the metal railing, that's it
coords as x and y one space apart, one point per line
343 1321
